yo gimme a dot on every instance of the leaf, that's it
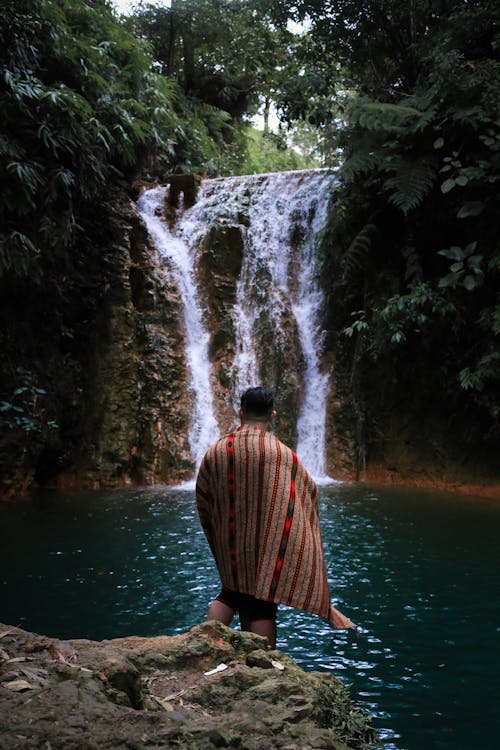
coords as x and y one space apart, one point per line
458 266
448 185
471 208
397 337
18 686
461 180
474 261
356 253
467 379
438 143
454 253
451 279
470 282
412 181
375 115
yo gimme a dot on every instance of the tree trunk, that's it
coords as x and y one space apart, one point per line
172 33
267 108
413 21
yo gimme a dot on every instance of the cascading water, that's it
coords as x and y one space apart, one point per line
311 425
204 429
276 315
289 204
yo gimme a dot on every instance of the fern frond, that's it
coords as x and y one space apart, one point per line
17 253
413 265
410 184
425 118
361 162
384 116
472 116
355 255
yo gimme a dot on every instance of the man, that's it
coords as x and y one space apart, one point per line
258 507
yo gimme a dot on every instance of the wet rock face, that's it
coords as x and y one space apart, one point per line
220 257
211 687
236 278
183 184
280 355
135 411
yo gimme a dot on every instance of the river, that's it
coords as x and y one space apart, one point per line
417 570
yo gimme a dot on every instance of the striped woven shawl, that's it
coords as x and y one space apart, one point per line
258 507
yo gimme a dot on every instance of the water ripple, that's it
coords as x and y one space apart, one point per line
405 566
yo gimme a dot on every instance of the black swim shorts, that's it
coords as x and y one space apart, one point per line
248 607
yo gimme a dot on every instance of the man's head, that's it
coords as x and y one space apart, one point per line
257 405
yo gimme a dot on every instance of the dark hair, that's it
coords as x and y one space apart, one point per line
257 402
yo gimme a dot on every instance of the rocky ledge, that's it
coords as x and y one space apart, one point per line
209 688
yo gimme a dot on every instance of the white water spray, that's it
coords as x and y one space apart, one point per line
204 430
311 426
297 203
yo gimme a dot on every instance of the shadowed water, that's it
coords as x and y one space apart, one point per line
417 571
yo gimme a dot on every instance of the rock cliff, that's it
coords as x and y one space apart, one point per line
136 416
97 394
209 688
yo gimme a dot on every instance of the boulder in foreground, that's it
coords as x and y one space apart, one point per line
211 687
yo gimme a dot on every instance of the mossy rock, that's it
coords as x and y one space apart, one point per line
165 692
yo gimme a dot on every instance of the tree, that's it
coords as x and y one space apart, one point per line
79 104
417 236
220 51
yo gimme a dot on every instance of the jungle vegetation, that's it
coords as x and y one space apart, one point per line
402 96
410 94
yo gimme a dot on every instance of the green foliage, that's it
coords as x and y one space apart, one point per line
311 143
419 129
270 153
417 310
80 109
486 369
203 137
229 59
385 116
79 105
410 183
357 326
225 54
466 269
357 252
24 411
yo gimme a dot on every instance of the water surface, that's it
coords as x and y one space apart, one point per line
418 571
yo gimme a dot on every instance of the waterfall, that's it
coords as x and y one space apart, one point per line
204 429
275 316
311 427
296 203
